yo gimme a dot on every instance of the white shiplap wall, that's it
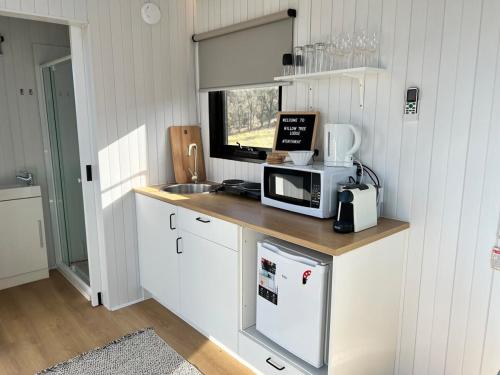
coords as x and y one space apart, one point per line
66 11
21 144
441 174
144 82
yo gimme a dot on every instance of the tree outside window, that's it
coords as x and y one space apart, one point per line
251 116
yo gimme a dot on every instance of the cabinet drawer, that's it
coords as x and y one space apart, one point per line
211 228
263 359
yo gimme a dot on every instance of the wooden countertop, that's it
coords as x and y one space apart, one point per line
313 233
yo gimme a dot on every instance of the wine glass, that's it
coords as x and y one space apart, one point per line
344 48
360 39
372 44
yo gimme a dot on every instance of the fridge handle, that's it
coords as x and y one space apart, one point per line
296 258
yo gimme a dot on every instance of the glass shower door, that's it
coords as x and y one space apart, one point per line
61 116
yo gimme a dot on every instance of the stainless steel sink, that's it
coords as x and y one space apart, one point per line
189 188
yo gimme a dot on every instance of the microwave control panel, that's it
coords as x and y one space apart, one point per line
315 190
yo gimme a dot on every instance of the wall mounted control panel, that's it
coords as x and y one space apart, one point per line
411 105
411 102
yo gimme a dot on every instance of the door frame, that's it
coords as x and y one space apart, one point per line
88 147
86 120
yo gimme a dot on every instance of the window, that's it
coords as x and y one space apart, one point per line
242 122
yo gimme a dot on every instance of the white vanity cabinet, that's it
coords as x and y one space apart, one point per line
158 257
23 253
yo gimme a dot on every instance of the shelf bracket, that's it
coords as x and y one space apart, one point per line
361 83
310 96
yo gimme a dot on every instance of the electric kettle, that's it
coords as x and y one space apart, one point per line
341 142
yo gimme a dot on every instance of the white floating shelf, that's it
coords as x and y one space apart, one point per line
352 73
355 73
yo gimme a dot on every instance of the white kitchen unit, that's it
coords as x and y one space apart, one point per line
158 258
189 263
23 253
213 267
364 312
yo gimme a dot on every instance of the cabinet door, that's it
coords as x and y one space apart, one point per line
209 288
158 258
22 242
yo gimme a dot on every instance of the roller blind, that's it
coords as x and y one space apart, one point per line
244 54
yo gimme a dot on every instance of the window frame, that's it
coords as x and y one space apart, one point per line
217 127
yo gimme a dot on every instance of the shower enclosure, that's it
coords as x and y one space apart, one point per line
67 201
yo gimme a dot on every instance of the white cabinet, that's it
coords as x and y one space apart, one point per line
209 288
194 271
23 254
190 269
158 257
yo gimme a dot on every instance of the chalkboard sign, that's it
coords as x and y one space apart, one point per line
295 131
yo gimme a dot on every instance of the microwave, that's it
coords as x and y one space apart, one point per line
309 190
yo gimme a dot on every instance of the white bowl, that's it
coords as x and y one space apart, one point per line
301 157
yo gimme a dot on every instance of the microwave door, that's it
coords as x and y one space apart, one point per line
289 186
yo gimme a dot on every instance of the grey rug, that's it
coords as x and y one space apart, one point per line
139 353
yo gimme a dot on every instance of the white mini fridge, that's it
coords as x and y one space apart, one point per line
293 286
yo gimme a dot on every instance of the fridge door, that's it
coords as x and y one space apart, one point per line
291 302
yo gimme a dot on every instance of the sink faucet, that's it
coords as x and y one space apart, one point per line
25 177
194 174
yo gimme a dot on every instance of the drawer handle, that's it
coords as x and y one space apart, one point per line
177 245
272 364
171 225
203 220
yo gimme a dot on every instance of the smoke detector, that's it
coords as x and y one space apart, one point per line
151 13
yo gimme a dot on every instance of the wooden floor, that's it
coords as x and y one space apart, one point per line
48 321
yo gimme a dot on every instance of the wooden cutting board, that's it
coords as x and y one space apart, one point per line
180 139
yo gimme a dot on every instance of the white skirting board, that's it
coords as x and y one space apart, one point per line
114 308
24 278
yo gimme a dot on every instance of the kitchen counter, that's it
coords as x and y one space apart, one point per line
307 231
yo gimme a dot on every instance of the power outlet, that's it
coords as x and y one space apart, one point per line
380 195
495 258
495 253
380 201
